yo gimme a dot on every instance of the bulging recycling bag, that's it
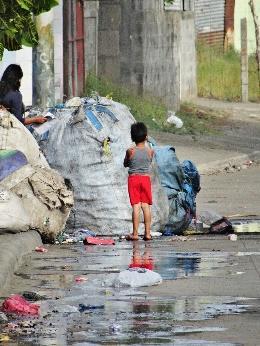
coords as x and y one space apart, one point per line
87 145
32 195
181 183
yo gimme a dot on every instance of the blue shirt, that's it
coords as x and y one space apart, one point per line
13 101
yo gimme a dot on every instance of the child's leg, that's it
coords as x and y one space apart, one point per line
136 219
147 219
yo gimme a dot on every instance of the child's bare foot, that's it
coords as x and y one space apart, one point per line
147 237
131 237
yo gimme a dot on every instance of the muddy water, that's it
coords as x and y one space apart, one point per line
96 312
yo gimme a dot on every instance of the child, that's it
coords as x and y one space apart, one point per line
139 159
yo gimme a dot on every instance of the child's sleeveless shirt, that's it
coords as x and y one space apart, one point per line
140 161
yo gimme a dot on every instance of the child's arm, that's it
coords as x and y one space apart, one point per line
128 155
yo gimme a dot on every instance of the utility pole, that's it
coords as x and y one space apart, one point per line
244 61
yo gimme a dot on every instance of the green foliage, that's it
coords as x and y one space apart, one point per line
17 27
151 110
219 74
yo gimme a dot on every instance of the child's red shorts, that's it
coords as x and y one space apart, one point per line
139 189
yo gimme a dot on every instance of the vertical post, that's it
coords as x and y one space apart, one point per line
244 61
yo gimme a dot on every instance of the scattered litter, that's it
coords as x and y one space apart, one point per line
221 226
208 217
17 304
77 236
172 119
81 279
137 277
156 234
3 317
114 328
40 249
32 296
98 241
67 309
83 307
232 237
182 238
4 338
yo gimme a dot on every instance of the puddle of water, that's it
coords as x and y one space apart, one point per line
140 319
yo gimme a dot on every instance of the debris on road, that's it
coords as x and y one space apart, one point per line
81 279
32 296
232 237
83 307
41 249
18 305
4 338
3 318
137 277
98 241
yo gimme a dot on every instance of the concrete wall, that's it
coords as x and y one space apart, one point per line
145 51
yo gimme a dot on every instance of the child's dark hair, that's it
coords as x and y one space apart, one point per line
138 132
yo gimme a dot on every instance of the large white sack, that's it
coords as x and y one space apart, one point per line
99 180
35 196
14 217
14 135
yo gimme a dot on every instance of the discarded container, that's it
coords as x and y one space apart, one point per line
40 249
137 277
98 241
18 305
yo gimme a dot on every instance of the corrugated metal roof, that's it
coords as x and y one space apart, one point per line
209 15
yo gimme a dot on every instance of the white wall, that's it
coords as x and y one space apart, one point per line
23 58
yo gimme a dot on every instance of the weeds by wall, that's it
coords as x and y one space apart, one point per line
152 111
219 74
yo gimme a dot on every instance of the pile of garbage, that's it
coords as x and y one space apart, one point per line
86 140
32 195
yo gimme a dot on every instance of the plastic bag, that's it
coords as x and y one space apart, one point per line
18 305
137 277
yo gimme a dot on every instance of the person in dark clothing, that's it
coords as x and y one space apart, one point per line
10 96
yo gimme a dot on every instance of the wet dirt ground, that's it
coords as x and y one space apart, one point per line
209 294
